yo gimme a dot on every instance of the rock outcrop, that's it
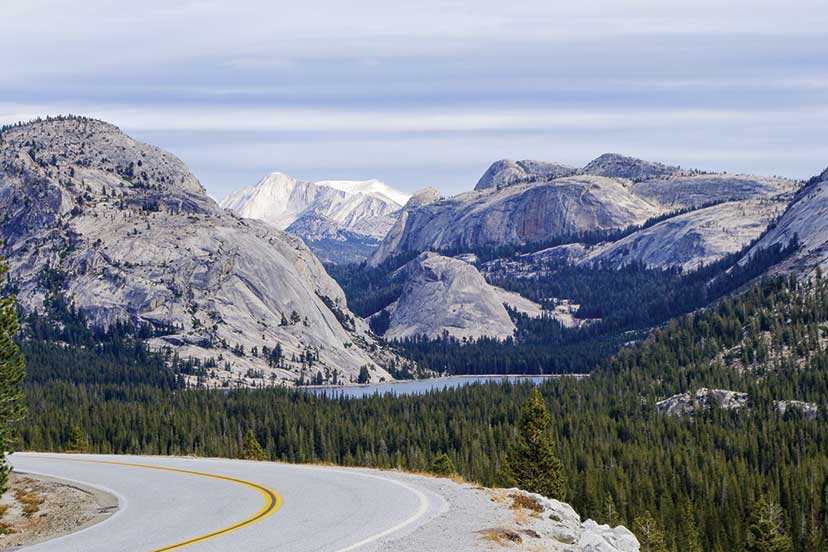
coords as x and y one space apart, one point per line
685 404
507 172
620 166
808 410
127 233
441 294
556 526
353 214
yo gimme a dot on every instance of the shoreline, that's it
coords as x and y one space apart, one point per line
436 379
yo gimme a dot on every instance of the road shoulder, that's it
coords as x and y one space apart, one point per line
38 508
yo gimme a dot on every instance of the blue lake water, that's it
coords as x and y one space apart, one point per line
419 387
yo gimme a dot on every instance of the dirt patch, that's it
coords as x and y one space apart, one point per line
38 508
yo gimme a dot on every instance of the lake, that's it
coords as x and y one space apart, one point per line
419 387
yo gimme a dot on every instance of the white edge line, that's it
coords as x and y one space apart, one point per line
373 538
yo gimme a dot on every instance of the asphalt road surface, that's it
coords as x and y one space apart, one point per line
178 503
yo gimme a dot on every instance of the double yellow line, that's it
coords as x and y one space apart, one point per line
273 501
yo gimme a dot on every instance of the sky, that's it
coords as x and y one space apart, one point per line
430 93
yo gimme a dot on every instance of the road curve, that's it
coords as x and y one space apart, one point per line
181 503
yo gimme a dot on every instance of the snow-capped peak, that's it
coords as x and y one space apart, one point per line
372 187
363 207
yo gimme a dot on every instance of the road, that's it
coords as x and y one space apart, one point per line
216 505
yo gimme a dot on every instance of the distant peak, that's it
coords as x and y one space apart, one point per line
506 172
423 197
373 187
615 165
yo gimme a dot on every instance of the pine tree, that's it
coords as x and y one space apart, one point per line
690 538
77 442
532 461
649 533
767 529
611 511
442 465
12 364
251 449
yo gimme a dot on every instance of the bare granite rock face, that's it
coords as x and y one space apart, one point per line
507 172
806 220
555 525
619 166
693 239
516 214
126 232
685 404
441 294
808 410
707 216
698 190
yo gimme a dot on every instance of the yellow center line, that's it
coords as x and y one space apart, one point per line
273 501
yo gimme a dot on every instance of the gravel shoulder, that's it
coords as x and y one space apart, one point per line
476 518
38 508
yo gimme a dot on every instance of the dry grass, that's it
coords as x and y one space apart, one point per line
502 536
6 528
3 509
29 500
526 502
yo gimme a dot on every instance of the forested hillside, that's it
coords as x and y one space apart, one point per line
621 457
621 306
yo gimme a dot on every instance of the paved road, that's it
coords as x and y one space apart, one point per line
219 505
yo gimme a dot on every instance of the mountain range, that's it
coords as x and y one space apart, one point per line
340 220
700 216
125 233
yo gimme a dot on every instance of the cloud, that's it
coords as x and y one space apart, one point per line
221 117
430 91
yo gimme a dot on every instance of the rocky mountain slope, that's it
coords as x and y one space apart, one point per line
696 217
806 220
127 233
516 214
441 294
339 220
691 239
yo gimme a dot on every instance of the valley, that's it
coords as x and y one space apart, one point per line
676 310
414 277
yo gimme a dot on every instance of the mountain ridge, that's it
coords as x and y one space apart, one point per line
125 232
622 193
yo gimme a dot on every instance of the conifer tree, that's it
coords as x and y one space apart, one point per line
767 529
78 442
251 449
649 533
532 462
442 465
12 407
690 538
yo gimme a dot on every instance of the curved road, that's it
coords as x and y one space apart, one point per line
179 503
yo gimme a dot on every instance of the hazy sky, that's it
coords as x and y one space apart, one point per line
429 93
